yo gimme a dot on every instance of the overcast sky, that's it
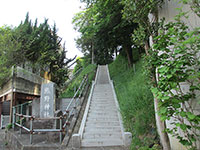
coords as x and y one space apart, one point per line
12 12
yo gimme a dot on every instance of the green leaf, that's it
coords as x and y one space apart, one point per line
154 90
163 110
190 115
163 118
183 127
183 114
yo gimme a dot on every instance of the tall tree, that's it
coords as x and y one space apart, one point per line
8 45
39 45
138 12
102 22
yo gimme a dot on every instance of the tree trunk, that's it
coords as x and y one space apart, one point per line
92 53
161 127
129 54
146 47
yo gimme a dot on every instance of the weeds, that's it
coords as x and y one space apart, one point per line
69 92
136 102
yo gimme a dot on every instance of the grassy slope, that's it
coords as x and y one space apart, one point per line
136 102
69 92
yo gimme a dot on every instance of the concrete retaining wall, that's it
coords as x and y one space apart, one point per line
169 11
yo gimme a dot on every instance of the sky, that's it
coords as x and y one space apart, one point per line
12 12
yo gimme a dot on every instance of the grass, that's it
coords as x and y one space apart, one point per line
136 102
69 92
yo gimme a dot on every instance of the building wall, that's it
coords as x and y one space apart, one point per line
169 11
24 86
6 89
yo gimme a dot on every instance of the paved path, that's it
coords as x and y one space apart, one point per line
3 143
102 127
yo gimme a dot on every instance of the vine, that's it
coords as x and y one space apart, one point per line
175 54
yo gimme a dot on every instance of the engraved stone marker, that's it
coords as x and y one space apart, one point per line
47 100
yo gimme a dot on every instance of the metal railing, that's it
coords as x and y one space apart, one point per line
31 130
74 102
64 119
20 110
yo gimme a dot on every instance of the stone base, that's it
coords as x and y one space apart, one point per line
21 142
76 141
127 138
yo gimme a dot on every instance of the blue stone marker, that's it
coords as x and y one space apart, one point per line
47 100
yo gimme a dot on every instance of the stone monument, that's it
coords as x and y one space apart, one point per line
47 100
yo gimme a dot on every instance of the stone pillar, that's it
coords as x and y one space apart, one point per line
47 100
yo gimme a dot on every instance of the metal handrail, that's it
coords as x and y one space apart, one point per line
73 100
68 114
76 93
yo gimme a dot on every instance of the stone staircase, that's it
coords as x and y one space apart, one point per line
102 125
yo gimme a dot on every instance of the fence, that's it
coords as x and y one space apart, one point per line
4 120
71 111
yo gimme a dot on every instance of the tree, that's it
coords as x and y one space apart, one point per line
103 30
138 11
39 45
8 47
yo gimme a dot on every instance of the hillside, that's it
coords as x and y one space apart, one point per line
136 102
90 70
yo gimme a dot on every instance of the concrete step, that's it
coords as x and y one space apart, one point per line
103 86
107 110
103 123
101 142
102 129
102 114
111 108
103 99
102 92
117 135
103 119
111 102
101 104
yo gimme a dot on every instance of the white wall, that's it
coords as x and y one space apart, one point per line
169 11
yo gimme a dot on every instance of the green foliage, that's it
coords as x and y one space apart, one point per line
175 54
9 126
155 147
138 11
8 45
69 92
103 30
81 62
40 46
135 98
